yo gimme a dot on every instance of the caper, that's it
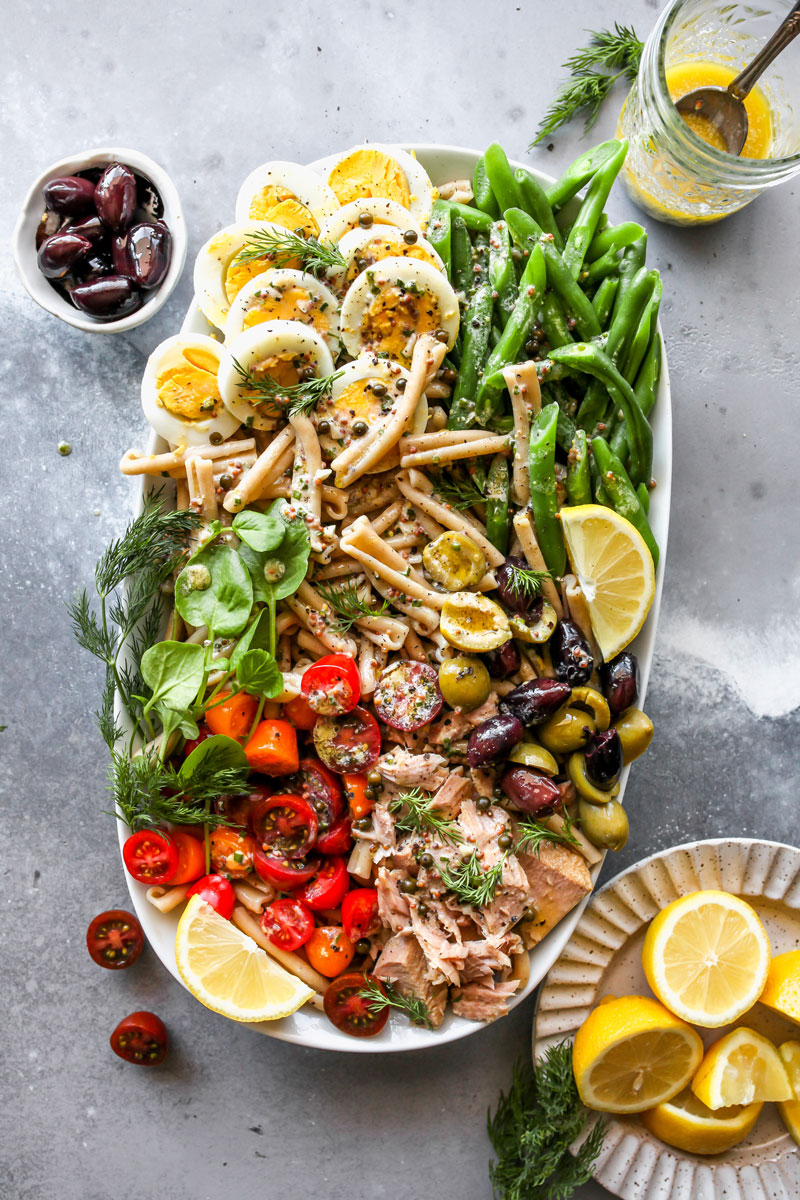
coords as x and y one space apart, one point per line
361 263
422 908
505 841
450 376
410 236
408 886
215 438
605 825
483 803
401 385
454 560
363 824
426 860
324 427
568 730
226 482
576 769
64 449
369 792
464 682
635 731
365 219
359 428
374 777
378 389
362 946
441 335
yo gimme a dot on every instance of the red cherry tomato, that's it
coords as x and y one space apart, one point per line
217 891
115 939
328 887
285 826
288 923
141 1038
151 856
322 789
285 874
203 733
407 696
349 743
329 950
300 713
239 808
332 685
360 913
347 1009
337 840
191 857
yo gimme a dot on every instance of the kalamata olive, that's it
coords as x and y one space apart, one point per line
620 680
94 266
569 650
515 598
148 200
529 791
115 196
109 298
603 756
57 254
49 224
143 253
69 195
90 227
504 661
536 700
493 739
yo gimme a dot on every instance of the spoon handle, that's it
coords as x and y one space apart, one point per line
786 32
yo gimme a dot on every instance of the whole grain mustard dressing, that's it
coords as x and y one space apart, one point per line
688 76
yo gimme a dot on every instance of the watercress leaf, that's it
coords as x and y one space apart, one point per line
255 637
173 671
217 753
278 573
259 674
214 589
172 719
261 531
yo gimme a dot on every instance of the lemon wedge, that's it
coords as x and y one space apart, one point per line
631 1054
706 957
742 1067
615 570
225 970
790 1109
782 989
687 1124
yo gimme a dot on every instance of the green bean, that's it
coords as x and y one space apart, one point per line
498 513
617 237
603 299
622 493
579 479
643 335
554 321
461 260
585 226
544 497
576 303
534 201
645 392
644 498
439 233
631 263
480 261
501 271
627 314
482 190
476 327
600 494
501 177
523 229
531 290
600 269
473 218
579 173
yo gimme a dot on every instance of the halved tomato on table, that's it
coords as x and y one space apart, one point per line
407 696
285 826
332 685
151 856
288 923
349 1010
360 913
328 887
349 743
114 939
285 874
141 1038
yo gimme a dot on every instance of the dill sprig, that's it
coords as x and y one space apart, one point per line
531 835
377 1001
287 247
533 1128
525 581
593 70
414 812
280 400
468 881
458 491
348 605
148 792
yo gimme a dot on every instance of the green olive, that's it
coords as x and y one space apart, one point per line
531 754
605 825
568 730
635 731
454 561
576 769
464 682
541 631
595 702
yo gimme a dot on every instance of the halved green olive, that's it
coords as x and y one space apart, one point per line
531 754
568 730
454 561
471 621
595 702
464 682
635 731
605 825
576 769
541 630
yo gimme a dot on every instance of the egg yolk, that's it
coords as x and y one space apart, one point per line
189 389
286 304
395 316
282 368
379 248
688 76
279 205
241 272
369 172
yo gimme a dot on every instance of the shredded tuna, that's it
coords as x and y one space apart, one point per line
483 780
558 879
393 907
451 795
483 829
428 771
485 999
445 957
403 962
483 957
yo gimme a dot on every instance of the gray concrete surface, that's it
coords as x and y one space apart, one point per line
209 90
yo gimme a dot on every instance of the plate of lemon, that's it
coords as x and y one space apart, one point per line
680 993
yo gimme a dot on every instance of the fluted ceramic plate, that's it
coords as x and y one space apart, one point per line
603 957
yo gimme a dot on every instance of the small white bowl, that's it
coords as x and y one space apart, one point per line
24 239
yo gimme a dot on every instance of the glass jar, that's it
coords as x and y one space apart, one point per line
670 172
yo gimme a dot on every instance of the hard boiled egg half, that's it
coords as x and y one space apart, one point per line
287 194
262 361
383 171
180 391
362 248
361 214
224 265
391 304
281 294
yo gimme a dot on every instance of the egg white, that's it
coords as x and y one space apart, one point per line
382 211
387 272
422 193
212 263
253 346
304 184
358 240
177 430
276 279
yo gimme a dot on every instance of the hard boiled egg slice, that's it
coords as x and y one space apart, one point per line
362 248
286 353
363 392
180 391
362 214
387 171
390 304
281 294
288 195
223 267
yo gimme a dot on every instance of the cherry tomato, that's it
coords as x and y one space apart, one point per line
151 856
347 1009
217 891
285 826
288 923
355 790
300 713
203 733
115 939
141 1038
332 685
349 743
360 913
337 840
322 789
407 696
231 852
191 857
284 873
330 950
328 887
240 808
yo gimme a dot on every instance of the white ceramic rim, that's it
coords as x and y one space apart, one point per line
309 1027
23 240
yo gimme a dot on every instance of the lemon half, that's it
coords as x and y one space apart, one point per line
688 1125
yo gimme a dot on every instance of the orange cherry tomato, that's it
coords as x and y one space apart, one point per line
191 857
272 749
355 789
300 713
231 853
234 716
330 950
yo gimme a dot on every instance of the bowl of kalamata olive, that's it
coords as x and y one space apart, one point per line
101 239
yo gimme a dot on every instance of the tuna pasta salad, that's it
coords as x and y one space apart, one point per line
369 691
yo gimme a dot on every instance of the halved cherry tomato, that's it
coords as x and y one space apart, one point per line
217 891
285 874
191 857
328 887
151 856
360 913
337 840
332 685
347 1009
114 939
349 743
407 696
355 790
203 733
273 748
288 923
285 826
322 789
300 713
232 714
231 852
330 950
240 808
141 1038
